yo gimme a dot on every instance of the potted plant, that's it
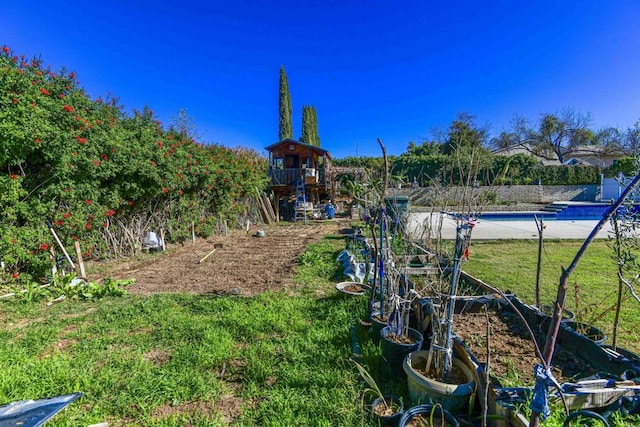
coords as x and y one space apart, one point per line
387 408
427 415
398 339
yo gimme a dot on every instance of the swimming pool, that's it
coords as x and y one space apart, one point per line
556 211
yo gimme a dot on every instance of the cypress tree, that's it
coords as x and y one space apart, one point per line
285 130
314 122
306 125
310 126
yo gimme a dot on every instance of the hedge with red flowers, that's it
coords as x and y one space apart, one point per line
102 176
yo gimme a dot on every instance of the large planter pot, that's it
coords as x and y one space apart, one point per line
391 418
545 315
393 353
422 389
428 413
589 331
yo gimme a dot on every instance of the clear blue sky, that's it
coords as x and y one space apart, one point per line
389 69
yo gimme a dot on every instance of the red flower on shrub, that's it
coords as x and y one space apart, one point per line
180 192
13 176
14 241
15 275
86 254
105 225
81 140
96 163
72 75
59 222
110 212
5 49
88 201
43 247
88 226
104 157
68 108
14 100
44 91
152 163
61 95
130 202
165 190
66 215
37 141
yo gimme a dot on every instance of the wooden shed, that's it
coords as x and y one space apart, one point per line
292 162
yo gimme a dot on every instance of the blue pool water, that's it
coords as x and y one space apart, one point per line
571 212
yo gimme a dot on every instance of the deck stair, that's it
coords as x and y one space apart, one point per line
555 207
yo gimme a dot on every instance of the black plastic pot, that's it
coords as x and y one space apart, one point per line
388 420
427 411
589 331
393 353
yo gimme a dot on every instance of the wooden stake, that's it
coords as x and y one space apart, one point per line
193 232
162 238
267 202
54 267
265 213
80 266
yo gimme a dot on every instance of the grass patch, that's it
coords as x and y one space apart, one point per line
280 358
511 266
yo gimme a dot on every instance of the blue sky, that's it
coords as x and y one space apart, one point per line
373 69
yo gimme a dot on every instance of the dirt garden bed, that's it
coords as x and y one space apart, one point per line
242 264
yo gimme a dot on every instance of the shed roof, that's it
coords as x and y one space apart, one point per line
319 151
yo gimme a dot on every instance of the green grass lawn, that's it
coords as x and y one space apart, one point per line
591 295
277 359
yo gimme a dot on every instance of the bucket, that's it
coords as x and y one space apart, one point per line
453 397
393 353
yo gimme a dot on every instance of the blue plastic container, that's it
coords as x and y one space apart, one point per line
330 211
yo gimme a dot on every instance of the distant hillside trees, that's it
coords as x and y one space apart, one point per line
437 162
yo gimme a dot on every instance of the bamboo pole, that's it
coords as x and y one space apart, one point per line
207 255
64 251
80 266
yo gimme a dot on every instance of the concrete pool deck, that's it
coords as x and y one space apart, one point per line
519 229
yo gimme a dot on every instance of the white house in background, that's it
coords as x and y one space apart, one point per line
588 155
592 155
547 158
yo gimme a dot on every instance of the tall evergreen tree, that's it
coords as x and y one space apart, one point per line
285 130
310 126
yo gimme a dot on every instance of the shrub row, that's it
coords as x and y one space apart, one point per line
100 175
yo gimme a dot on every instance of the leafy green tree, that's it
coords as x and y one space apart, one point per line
518 132
556 134
285 130
631 140
463 132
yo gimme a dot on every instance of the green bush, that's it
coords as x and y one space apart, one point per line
100 175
